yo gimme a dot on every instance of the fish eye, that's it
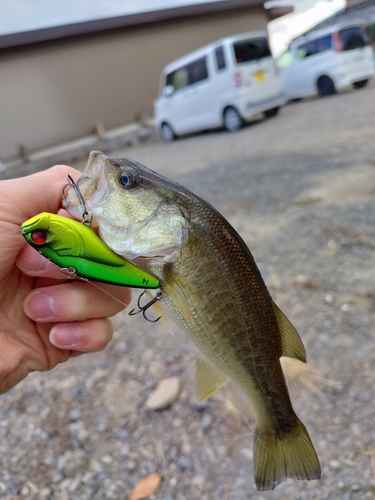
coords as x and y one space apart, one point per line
39 236
126 179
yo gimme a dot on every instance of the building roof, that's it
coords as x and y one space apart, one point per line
362 11
100 25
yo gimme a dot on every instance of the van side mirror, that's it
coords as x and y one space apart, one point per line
168 90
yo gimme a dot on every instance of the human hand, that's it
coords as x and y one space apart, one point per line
44 319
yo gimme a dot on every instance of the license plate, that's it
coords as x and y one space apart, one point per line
260 76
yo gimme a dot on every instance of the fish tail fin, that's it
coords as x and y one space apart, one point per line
278 457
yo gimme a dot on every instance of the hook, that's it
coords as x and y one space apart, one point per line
86 216
71 272
143 309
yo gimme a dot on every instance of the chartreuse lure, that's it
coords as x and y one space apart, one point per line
81 253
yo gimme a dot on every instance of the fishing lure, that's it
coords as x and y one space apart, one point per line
81 254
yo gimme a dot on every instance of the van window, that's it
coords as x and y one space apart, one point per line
250 50
314 46
220 59
285 59
179 78
194 72
197 70
353 38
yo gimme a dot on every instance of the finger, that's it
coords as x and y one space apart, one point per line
87 336
40 192
32 263
75 301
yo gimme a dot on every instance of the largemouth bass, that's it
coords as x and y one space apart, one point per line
213 289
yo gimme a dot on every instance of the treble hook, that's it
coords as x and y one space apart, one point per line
86 216
143 309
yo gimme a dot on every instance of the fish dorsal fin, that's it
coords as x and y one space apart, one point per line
291 343
178 298
207 378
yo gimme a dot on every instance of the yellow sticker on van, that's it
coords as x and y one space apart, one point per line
260 76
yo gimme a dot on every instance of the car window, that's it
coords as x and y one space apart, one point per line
285 59
219 56
353 38
182 77
179 78
250 50
315 46
197 70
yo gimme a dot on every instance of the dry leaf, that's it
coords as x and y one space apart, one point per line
146 487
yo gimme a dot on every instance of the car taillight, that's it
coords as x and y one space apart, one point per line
336 42
238 79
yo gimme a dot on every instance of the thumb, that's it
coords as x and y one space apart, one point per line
25 197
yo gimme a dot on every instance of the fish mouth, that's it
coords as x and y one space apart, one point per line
93 170
91 187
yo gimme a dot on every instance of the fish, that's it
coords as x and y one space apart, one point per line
81 253
212 287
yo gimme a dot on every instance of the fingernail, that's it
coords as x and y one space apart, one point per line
64 336
40 306
36 262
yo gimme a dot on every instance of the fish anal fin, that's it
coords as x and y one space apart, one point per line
178 298
279 457
208 378
291 343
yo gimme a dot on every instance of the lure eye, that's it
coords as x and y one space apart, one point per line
39 236
126 180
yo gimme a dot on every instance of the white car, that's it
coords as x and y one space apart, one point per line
327 60
222 84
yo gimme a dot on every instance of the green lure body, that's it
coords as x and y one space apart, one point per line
71 244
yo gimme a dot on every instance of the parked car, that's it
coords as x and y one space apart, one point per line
220 85
327 60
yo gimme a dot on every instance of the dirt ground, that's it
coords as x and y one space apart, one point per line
299 188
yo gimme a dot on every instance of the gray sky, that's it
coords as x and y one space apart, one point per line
25 15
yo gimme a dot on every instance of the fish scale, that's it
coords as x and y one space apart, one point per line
245 326
213 289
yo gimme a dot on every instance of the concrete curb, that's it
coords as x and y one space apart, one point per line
68 152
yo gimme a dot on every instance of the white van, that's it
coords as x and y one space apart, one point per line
327 60
221 84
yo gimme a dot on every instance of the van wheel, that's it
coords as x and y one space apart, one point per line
360 84
325 85
232 119
166 132
271 112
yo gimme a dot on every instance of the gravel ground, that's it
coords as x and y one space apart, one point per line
300 190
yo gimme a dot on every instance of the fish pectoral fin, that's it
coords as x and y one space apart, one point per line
157 308
207 378
178 298
291 343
